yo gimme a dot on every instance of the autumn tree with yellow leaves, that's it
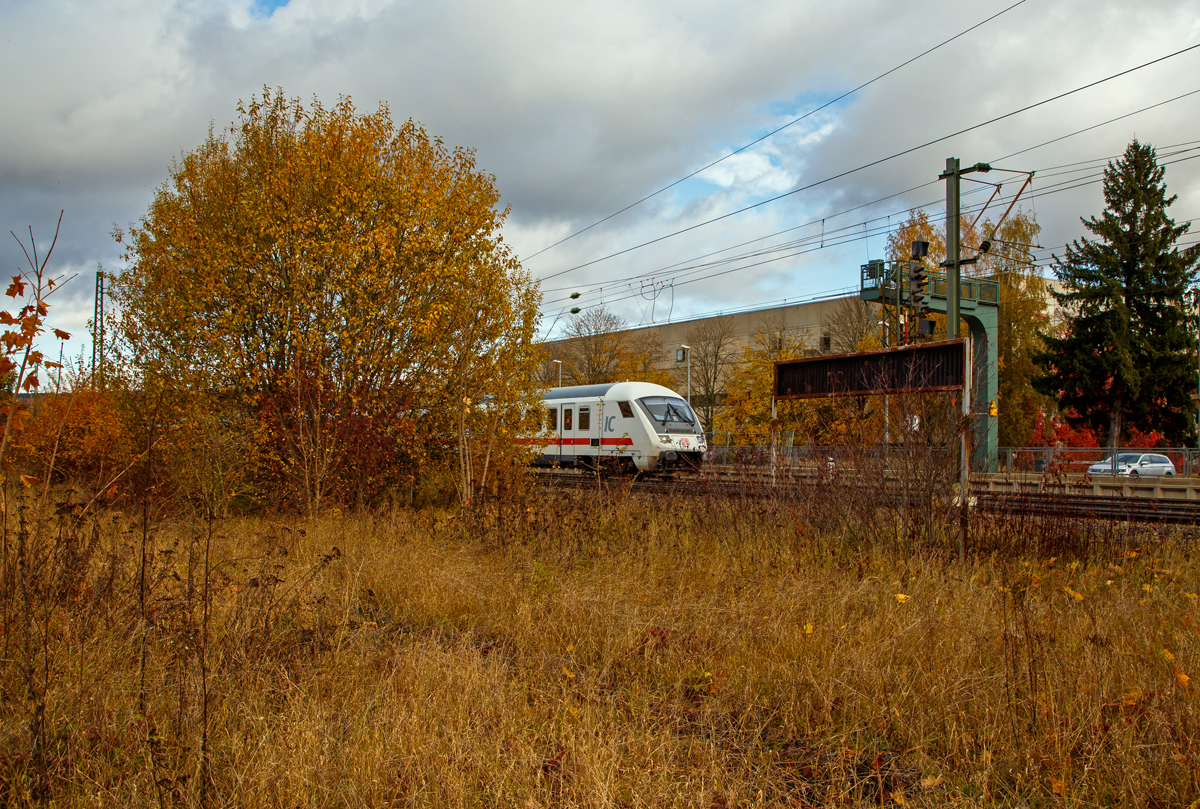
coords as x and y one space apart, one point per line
642 359
599 347
747 416
1023 303
344 279
596 342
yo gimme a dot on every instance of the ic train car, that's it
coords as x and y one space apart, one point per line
623 426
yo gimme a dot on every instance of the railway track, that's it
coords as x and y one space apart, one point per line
1119 509
759 484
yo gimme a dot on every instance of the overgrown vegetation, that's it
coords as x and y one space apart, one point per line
337 286
593 649
188 618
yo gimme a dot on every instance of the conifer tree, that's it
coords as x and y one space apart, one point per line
1126 358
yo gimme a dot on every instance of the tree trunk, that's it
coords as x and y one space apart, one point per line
1114 424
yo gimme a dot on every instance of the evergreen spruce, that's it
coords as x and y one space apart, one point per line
1126 359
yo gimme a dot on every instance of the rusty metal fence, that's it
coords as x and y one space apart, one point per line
753 449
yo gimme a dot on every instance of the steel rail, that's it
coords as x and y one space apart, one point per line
758 484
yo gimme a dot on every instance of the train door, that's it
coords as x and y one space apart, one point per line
587 432
601 447
566 435
553 448
605 421
617 431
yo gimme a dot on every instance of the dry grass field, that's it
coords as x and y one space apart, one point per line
599 650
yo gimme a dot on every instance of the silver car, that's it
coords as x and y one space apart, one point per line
1135 464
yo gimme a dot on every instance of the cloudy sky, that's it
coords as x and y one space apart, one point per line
581 109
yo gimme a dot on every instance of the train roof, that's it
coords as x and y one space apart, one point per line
600 391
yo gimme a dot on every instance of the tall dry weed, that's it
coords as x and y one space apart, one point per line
601 649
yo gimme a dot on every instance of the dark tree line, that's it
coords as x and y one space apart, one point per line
1127 357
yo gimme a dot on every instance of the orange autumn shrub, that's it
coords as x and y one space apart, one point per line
80 434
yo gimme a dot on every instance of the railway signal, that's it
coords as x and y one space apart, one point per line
918 281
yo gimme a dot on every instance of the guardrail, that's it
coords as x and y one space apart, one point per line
1069 460
785 453
1164 488
732 448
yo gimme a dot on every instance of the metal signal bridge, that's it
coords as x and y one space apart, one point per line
907 288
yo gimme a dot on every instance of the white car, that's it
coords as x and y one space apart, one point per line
1135 464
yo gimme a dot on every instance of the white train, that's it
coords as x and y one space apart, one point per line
622 426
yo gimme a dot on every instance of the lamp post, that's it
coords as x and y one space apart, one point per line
688 349
885 331
1196 303
559 364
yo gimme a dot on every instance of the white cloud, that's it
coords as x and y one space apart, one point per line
580 109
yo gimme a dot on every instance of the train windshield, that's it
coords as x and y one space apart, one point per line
671 414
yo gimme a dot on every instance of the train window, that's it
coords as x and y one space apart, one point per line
626 409
671 414
585 418
566 419
552 419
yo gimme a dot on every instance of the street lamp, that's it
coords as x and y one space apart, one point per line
688 349
886 333
559 364
1196 303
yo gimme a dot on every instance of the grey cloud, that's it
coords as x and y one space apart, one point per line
580 109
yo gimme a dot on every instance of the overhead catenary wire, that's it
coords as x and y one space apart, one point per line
800 248
680 267
873 163
1192 239
820 297
776 131
1076 167
1097 126
850 290
679 271
1043 173
829 243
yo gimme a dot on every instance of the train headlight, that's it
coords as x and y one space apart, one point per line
666 439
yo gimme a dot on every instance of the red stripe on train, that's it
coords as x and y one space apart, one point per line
577 442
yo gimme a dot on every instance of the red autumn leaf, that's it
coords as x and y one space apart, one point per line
19 417
31 381
62 335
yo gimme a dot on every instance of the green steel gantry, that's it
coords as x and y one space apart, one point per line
978 304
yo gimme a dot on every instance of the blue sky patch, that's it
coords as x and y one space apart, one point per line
265 8
806 102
